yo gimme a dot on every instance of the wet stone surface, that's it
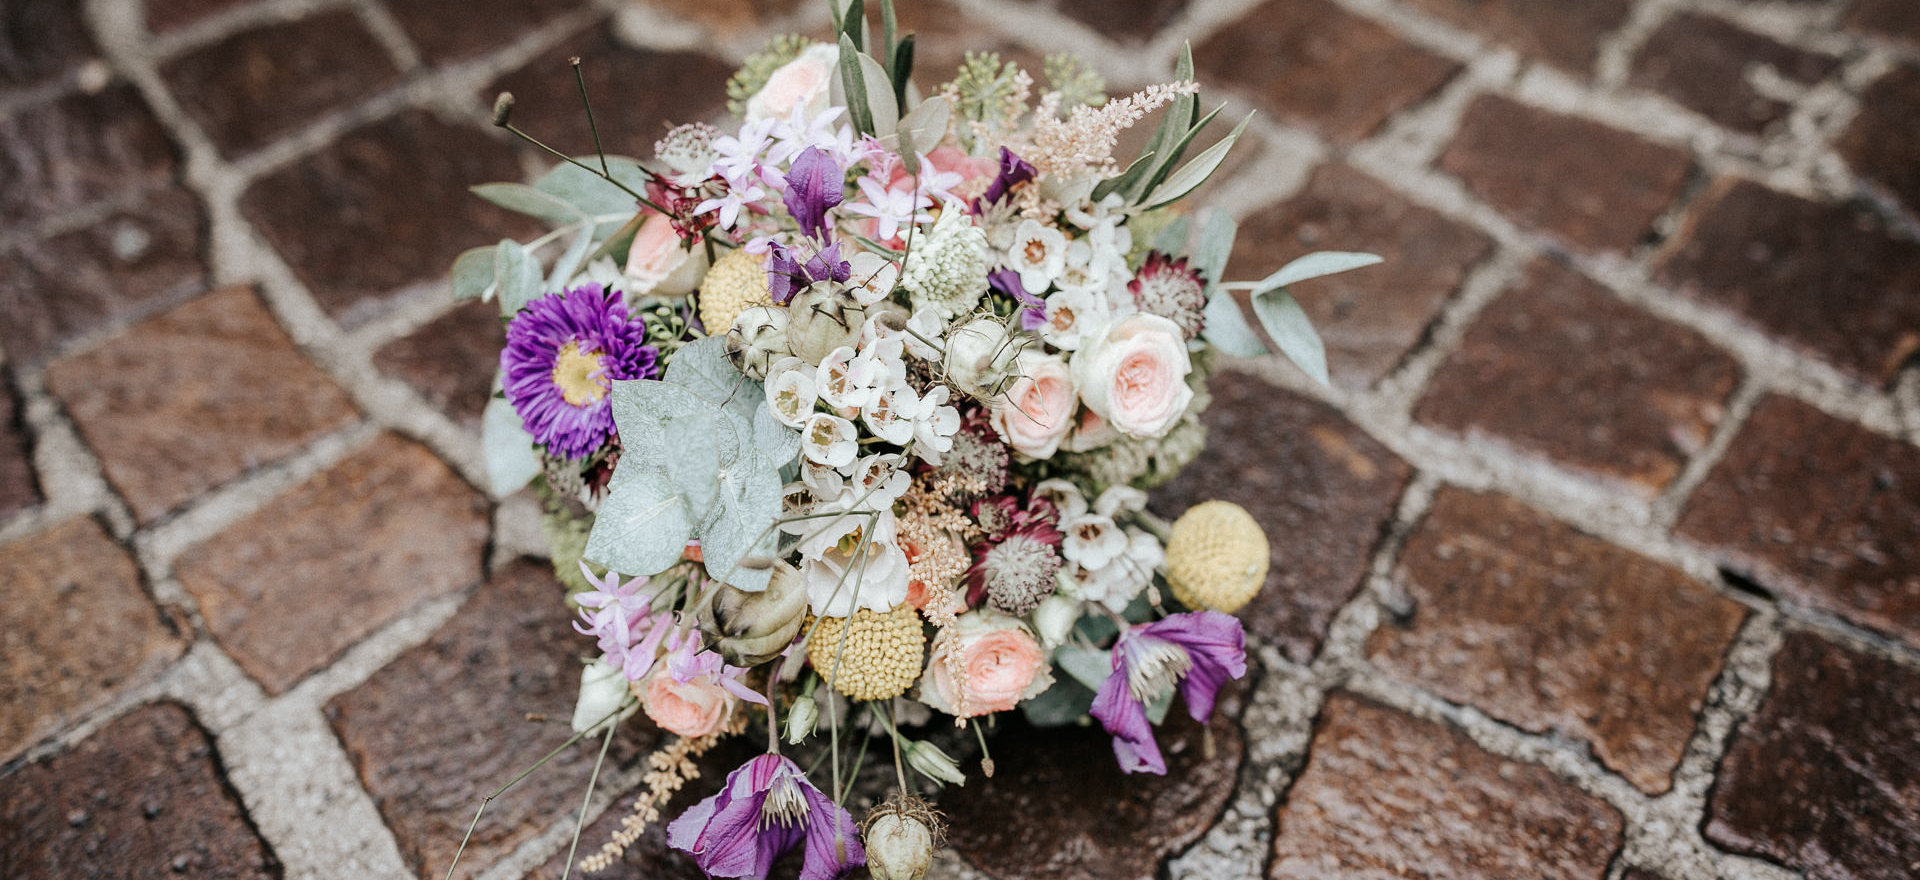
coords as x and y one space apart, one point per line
145 797
1559 367
1556 632
78 149
1879 144
1386 795
1823 780
1822 512
378 533
1323 490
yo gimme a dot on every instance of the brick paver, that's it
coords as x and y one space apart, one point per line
1610 512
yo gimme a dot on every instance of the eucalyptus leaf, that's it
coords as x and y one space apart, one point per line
508 449
1089 666
924 126
473 274
1173 236
748 504
1214 248
703 368
1315 265
776 441
527 200
641 410
516 276
1224 326
569 262
589 193
1196 171
1292 332
693 459
880 98
642 526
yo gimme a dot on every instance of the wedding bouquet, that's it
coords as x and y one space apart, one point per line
845 415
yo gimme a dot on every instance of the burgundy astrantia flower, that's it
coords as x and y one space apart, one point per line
765 809
1014 568
563 351
1168 287
1198 651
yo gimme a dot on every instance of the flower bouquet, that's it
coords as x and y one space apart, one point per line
844 417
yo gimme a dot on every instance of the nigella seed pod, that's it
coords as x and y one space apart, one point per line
751 628
822 318
757 338
900 836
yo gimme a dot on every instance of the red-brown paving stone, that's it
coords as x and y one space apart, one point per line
1880 143
1823 778
145 797
75 626
19 489
260 85
1312 64
451 360
288 588
444 724
167 15
70 284
1543 170
447 32
40 39
637 94
1323 490
396 195
1708 65
189 399
725 18
1826 278
1368 319
1123 21
1560 368
75 150
1566 35
1386 795
1075 816
1899 19
1557 632
943 35
1824 512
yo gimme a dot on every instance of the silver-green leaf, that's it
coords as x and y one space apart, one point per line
508 449
1196 171
1292 332
643 525
516 275
527 200
473 274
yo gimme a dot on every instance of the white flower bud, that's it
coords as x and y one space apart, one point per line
980 356
801 719
602 689
1055 618
931 762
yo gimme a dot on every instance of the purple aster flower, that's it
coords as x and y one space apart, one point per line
787 276
814 184
1007 281
563 351
1013 170
765 809
1197 651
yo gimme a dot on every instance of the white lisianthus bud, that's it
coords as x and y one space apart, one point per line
602 689
801 719
1054 619
757 338
899 847
931 762
979 356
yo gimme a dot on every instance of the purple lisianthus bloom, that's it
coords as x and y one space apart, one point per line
1013 170
563 351
1007 281
786 275
765 809
814 185
1197 651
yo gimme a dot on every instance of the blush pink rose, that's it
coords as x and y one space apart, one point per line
1133 374
804 82
1037 409
659 264
985 662
694 708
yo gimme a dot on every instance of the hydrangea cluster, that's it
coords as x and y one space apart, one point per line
855 403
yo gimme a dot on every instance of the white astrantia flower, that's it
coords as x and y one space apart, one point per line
828 439
1038 253
791 397
934 425
873 277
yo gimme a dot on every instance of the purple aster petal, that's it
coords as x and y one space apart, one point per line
1126 720
827 265
814 184
1013 170
595 323
1217 645
833 842
784 275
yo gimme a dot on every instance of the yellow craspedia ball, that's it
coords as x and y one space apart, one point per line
882 654
735 282
1217 557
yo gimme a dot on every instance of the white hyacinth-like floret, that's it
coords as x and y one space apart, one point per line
947 270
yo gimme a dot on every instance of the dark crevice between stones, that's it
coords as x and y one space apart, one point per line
1425 340
271 858
1743 583
1698 180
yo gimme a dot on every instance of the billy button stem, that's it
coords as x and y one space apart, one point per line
502 118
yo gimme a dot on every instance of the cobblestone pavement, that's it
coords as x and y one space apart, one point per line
1601 557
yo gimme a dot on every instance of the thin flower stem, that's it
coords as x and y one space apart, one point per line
893 731
581 79
516 781
515 130
581 824
986 757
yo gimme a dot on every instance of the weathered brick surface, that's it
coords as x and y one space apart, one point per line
259 85
39 39
1566 35
1888 18
19 489
65 286
444 724
379 532
75 626
194 397
1078 816
1826 278
1825 513
1386 795
451 360
1559 367
1134 21
1823 779
409 218
727 17
168 15
1312 64
1368 319
1539 168
78 149
1555 631
944 34
637 95
1879 144
1709 65
1323 490
448 32
145 797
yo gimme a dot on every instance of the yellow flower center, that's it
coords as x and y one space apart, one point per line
576 374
